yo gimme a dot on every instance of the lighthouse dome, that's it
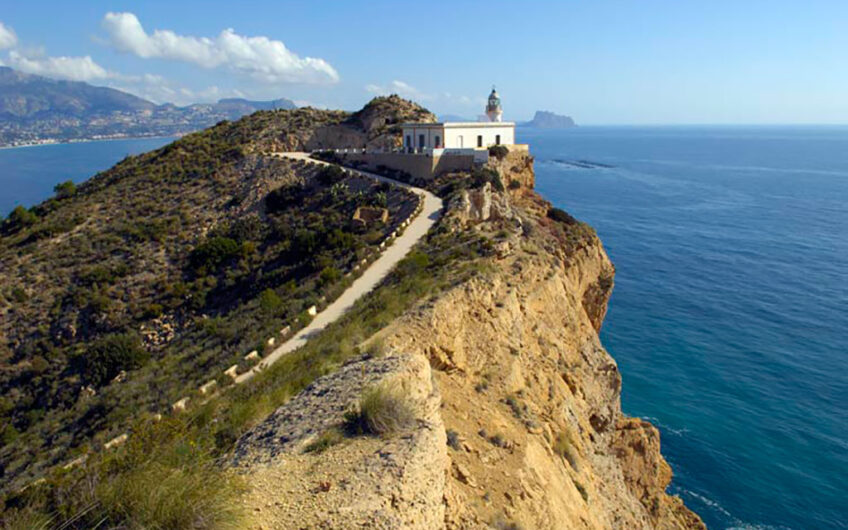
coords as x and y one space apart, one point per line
493 108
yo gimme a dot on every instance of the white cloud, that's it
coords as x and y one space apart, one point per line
8 39
261 58
71 68
400 88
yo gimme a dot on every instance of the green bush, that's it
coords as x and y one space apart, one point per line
562 216
329 175
498 151
65 189
514 184
105 358
213 252
270 301
479 177
329 275
384 410
21 218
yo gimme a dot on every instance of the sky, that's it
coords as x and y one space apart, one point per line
599 61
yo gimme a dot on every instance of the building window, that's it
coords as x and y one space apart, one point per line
480 140
421 140
408 140
437 142
459 142
498 139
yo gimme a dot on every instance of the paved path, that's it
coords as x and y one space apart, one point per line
372 276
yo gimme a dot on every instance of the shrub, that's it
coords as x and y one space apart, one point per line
283 197
270 301
514 184
65 189
561 216
498 151
329 175
213 252
21 218
481 176
384 410
105 358
329 275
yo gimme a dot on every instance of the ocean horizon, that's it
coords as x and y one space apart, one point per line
730 307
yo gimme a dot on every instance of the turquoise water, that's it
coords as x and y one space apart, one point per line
730 312
28 174
729 318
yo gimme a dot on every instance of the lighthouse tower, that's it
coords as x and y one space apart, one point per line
493 107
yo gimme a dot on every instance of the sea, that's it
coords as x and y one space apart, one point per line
729 318
28 174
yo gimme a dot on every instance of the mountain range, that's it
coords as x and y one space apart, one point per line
36 109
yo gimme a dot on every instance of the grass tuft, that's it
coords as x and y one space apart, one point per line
384 410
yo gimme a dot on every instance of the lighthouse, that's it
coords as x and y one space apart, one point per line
493 107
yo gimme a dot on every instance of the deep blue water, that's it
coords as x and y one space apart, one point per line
729 318
28 174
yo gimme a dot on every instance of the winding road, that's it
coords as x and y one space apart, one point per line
371 278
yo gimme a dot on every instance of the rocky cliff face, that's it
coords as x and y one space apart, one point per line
528 398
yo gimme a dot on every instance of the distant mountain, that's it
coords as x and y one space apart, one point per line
548 120
35 109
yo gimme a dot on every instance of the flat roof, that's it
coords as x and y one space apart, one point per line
462 124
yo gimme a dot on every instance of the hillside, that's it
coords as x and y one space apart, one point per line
37 109
171 266
469 390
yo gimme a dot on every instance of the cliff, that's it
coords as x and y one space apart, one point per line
526 394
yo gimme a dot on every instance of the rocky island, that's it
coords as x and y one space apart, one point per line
469 389
548 120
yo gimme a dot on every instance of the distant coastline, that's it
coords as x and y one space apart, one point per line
52 141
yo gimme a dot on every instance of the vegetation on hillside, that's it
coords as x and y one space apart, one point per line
183 452
125 293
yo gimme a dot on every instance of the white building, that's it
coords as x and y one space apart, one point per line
450 136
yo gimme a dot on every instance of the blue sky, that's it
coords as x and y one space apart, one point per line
602 61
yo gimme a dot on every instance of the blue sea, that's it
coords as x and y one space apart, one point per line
28 174
729 318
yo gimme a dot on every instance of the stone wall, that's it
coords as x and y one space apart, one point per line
419 166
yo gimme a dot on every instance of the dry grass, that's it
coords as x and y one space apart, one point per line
384 410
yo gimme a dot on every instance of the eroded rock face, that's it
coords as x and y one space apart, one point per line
361 482
534 400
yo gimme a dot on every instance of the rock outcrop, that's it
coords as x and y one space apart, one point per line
364 482
529 400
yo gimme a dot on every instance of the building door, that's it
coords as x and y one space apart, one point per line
480 140
421 141
437 142
498 139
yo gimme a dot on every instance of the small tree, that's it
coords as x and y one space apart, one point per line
21 218
65 189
